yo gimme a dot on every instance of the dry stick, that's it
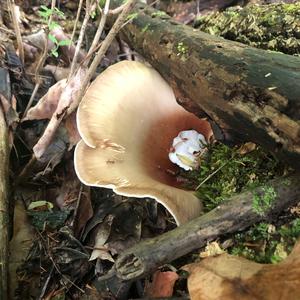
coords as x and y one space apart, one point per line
106 43
45 140
99 32
80 38
40 63
12 8
4 207
76 21
238 213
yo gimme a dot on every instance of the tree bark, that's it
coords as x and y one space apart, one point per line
240 212
252 94
4 207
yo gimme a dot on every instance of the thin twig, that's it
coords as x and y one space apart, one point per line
46 284
211 175
35 90
99 31
26 170
80 38
105 44
76 21
62 111
41 62
117 10
12 8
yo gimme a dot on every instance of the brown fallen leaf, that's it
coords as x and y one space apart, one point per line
47 105
247 148
230 277
162 284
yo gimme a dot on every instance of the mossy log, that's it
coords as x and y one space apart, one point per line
252 94
273 27
238 213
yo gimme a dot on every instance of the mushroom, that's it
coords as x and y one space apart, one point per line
127 120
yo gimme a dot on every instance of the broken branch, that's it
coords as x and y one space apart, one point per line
238 213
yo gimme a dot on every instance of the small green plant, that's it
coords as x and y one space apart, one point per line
145 28
182 49
264 200
264 243
225 171
46 13
132 16
158 14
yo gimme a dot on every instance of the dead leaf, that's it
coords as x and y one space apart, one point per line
67 103
71 127
212 249
102 236
162 284
230 277
47 105
247 148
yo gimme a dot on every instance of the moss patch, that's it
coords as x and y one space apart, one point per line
274 27
226 171
267 243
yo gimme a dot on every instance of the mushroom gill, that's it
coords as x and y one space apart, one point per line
127 120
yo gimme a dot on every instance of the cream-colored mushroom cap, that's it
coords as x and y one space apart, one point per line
127 121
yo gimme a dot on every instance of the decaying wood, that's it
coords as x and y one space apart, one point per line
4 206
236 214
252 94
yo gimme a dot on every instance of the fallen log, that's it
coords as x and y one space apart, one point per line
238 213
252 94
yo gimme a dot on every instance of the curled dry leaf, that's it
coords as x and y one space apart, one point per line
230 277
67 103
47 105
247 148
100 250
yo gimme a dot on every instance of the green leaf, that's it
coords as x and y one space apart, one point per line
53 25
64 43
52 38
54 52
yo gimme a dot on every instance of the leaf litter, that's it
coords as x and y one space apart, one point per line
84 230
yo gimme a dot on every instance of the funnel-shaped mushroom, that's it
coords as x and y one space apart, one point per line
128 119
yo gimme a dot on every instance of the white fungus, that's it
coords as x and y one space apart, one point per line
186 148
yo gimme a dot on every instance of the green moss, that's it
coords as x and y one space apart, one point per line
266 243
158 14
225 171
263 201
274 27
181 49
145 28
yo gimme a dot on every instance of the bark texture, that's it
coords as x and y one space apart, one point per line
238 213
252 94
4 207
